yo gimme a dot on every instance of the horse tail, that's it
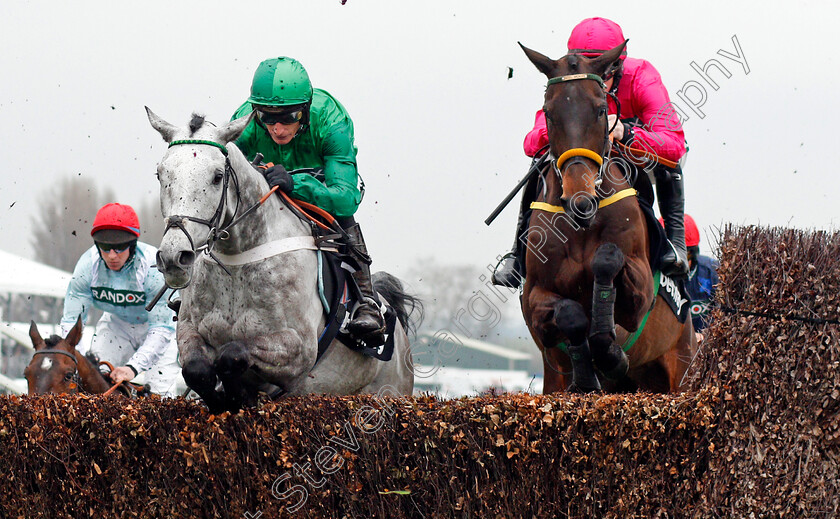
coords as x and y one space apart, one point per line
409 308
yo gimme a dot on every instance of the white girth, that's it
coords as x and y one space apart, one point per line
267 250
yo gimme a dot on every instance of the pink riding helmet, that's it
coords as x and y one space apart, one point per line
594 36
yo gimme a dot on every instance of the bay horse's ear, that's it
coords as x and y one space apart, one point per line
75 334
608 60
232 130
543 63
166 130
35 337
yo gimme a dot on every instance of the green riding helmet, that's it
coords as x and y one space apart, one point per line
280 82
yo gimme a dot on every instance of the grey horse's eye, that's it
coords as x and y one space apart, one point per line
217 178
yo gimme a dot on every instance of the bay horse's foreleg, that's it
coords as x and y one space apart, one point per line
608 356
572 321
552 320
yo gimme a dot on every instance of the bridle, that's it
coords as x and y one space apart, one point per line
576 155
217 229
76 378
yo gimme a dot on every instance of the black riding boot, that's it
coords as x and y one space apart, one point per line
367 323
669 192
511 273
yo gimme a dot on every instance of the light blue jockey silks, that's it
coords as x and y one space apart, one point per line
124 294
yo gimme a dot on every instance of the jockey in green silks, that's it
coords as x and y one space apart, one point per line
299 127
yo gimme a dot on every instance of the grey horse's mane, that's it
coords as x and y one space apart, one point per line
196 123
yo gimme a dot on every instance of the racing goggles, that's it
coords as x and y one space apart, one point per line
286 118
119 248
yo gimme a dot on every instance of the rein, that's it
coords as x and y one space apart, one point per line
128 387
643 157
77 378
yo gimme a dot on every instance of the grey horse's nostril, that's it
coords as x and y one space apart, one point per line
159 260
186 258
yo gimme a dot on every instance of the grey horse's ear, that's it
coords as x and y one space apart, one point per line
232 130
166 130
543 63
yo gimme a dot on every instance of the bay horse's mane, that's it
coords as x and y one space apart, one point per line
52 341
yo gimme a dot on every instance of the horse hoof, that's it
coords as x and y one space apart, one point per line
613 365
582 390
233 361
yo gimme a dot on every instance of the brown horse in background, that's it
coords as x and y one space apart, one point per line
58 367
588 259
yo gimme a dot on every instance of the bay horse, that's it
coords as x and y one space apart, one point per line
589 284
58 367
253 325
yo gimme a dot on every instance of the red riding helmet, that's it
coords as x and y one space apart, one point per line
692 233
115 223
594 36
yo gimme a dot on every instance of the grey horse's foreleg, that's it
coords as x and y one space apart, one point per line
608 356
199 373
230 366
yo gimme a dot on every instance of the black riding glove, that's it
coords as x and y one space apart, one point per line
278 176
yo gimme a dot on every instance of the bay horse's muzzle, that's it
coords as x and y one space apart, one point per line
581 207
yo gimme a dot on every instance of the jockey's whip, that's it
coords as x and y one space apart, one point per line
536 165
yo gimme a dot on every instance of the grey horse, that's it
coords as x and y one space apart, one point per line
250 314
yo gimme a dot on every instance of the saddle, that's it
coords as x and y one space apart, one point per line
339 297
337 289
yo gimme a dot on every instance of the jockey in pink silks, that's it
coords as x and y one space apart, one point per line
647 122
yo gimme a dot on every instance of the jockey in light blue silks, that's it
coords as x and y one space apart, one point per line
117 276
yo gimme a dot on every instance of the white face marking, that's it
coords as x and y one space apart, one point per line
46 364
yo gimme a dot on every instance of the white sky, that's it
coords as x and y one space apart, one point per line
439 125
